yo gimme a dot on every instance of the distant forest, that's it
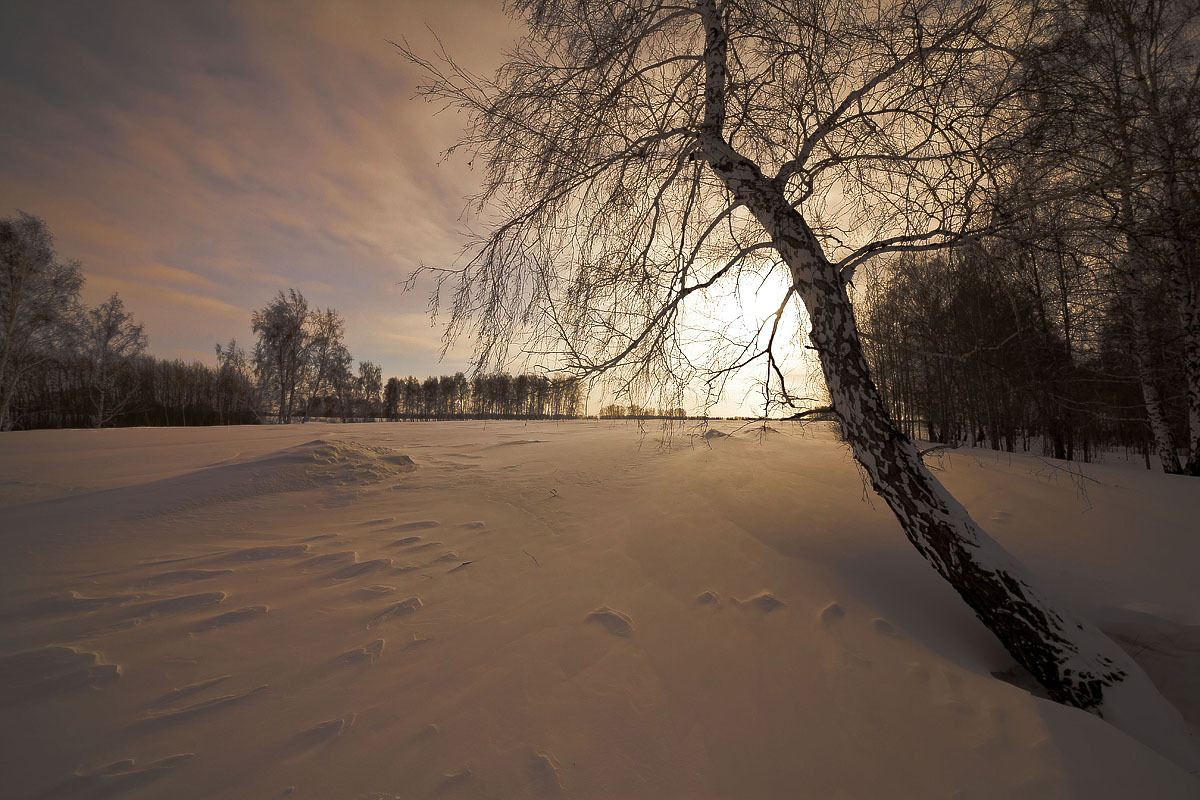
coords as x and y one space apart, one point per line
65 365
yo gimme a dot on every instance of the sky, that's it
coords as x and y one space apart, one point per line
198 157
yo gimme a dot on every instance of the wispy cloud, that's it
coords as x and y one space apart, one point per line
199 157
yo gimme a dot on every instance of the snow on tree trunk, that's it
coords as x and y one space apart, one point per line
1074 660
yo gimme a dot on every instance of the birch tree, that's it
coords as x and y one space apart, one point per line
342 382
1158 52
639 156
370 385
391 399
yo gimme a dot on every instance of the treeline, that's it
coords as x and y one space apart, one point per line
634 411
63 364
1079 328
498 396
1012 353
302 369
143 390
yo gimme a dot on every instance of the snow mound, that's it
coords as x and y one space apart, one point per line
316 464
319 464
325 461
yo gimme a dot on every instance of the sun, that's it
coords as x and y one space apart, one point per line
730 330
748 307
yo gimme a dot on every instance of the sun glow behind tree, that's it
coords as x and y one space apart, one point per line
748 339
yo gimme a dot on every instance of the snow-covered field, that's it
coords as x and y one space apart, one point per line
502 610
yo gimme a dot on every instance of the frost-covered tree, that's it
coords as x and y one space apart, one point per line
281 349
640 156
38 297
323 343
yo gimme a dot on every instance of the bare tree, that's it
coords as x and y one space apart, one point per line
111 341
643 155
342 382
410 397
236 389
38 295
370 385
391 399
1159 45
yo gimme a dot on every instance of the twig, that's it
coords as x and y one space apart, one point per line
812 411
535 561
1071 472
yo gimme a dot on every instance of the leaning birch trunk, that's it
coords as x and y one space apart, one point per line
1074 660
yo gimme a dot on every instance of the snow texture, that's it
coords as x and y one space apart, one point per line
240 612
